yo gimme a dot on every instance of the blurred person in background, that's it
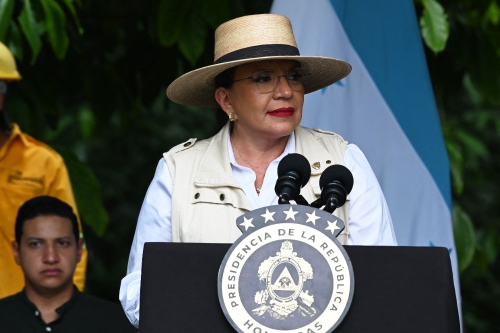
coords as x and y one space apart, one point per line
47 248
28 168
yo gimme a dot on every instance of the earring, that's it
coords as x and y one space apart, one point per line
232 116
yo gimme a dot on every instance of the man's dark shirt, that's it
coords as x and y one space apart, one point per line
82 313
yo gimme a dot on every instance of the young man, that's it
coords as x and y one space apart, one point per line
28 168
48 248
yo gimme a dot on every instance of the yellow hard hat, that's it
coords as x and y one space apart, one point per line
8 69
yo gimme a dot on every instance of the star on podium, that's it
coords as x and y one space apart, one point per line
312 217
247 223
332 226
290 214
268 216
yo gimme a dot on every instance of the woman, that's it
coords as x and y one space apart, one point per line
199 189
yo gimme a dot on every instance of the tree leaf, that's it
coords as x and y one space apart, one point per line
473 144
72 10
192 40
87 191
434 25
215 17
456 162
472 92
55 23
15 41
457 178
171 20
31 29
493 13
64 122
6 9
489 245
86 120
465 237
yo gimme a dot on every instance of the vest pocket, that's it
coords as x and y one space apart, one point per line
221 196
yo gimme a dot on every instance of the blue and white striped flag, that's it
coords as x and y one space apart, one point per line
385 106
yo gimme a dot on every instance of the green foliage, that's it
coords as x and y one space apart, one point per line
87 191
71 7
6 10
456 166
55 23
86 120
466 80
215 17
15 41
465 238
192 39
172 16
32 29
493 13
434 25
186 24
37 19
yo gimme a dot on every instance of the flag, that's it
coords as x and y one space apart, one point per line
385 106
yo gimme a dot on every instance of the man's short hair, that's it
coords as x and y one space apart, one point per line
44 206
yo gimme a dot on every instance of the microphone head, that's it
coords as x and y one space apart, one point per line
298 163
337 172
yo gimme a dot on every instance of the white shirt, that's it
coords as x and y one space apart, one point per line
369 218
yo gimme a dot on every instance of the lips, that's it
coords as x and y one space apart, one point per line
282 112
51 272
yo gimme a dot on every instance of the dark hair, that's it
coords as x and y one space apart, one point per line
224 80
44 206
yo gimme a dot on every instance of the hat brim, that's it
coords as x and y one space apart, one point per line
197 88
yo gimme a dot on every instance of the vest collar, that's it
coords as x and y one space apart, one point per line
310 145
215 167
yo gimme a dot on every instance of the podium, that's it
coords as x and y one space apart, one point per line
396 289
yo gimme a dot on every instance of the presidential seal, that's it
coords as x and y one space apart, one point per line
287 272
284 291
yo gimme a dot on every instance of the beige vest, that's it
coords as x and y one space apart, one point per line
207 199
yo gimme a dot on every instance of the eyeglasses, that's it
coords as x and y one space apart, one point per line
267 81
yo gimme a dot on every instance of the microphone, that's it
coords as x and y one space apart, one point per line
335 183
294 172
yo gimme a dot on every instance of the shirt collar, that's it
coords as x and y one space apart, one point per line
61 311
16 132
289 149
66 306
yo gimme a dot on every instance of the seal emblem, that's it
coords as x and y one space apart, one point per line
284 291
287 272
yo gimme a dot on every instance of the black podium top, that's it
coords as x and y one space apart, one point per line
397 289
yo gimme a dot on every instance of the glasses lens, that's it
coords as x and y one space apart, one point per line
267 82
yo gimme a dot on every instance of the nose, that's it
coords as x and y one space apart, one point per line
50 255
283 88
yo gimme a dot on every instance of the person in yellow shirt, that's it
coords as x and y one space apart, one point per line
28 168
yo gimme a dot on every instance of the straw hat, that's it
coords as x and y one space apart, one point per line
249 39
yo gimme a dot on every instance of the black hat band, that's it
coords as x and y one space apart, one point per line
258 51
